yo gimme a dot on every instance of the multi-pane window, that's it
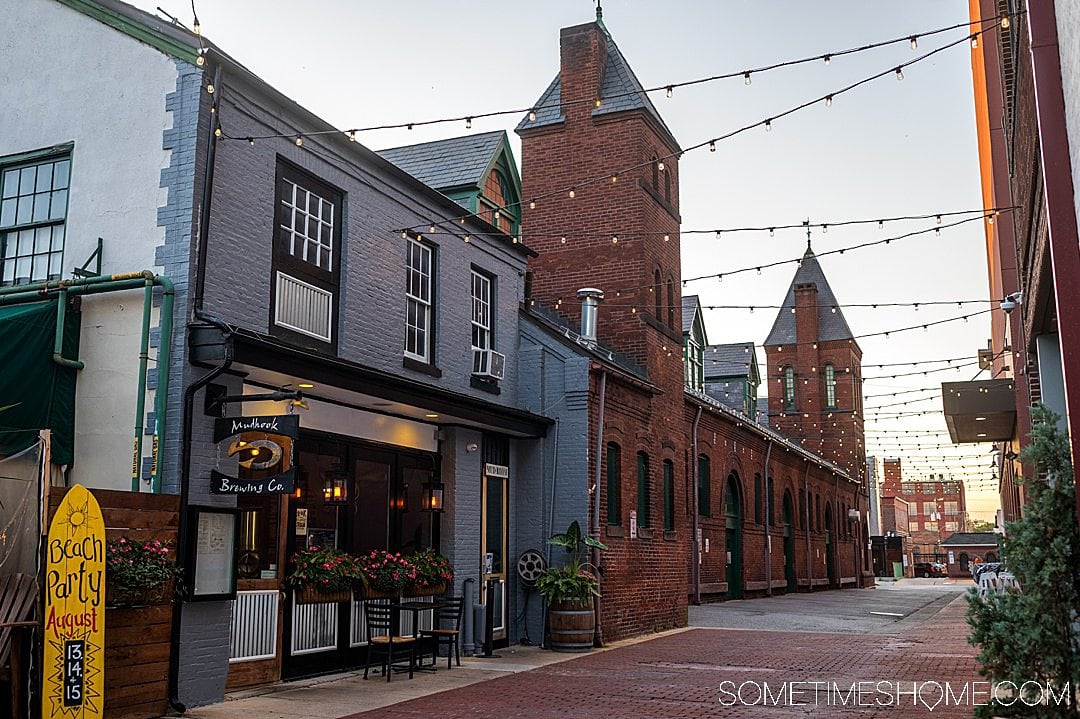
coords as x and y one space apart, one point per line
913 525
789 387
643 506
418 300
830 386
669 495
307 258
307 226
952 526
927 509
695 364
481 318
614 484
703 486
33 208
952 508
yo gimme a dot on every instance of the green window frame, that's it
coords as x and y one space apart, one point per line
757 499
830 387
34 188
703 486
644 518
789 387
614 484
669 495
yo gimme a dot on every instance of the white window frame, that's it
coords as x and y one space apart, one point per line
695 364
482 337
789 387
830 387
315 244
419 300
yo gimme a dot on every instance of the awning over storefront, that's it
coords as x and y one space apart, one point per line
979 411
35 392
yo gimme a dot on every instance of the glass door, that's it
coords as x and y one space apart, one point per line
494 531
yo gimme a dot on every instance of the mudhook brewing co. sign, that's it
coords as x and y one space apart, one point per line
73 676
261 449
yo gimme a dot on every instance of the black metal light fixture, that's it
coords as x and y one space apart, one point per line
432 498
400 501
336 485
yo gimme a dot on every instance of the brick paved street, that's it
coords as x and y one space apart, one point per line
682 674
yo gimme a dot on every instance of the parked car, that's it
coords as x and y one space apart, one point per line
928 569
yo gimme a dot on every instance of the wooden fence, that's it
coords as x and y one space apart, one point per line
137 639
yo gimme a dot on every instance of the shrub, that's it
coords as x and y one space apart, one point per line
431 568
324 568
134 568
386 572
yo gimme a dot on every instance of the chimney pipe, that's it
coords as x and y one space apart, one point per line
590 303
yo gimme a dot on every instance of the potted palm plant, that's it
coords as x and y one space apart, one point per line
569 591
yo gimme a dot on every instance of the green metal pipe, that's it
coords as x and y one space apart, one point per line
161 393
61 289
140 395
58 342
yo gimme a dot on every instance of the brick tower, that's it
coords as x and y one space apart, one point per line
620 230
815 371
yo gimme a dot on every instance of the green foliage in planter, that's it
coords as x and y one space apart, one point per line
575 579
133 568
431 568
324 568
1032 634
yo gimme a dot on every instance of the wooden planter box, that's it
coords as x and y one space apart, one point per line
117 597
309 594
432 591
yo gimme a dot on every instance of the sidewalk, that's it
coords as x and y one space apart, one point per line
345 694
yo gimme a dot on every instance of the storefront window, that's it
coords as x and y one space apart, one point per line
258 554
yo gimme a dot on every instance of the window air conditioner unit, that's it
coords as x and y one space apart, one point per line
489 364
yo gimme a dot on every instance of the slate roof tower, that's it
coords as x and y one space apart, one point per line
814 368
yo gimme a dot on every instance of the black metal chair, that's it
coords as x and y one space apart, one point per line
446 627
380 624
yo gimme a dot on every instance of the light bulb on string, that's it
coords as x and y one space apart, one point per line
299 141
660 166
532 115
670 91
900 73
1005 22
746 78
615 239
914 42
667 237
209 88
827 59
532 204
768 125
352 135
217 132
824 229
772 231
712 145
468 123
572 193
974 42
562 240
614 179
466 238
251 141
990 219
598 102
828 101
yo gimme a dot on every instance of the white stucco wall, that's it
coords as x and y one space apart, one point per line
66 77
1068 27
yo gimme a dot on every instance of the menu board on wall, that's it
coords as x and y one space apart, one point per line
215 552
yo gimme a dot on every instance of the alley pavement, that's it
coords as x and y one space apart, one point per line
867 653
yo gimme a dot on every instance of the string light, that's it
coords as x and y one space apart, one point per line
746 78
660 166
975 41
532 204
914 42
209 88
670 91
572 193
468 123
1005 22
299 141
768 125
828 101
712 145
827 59
900 73
352 135
532 115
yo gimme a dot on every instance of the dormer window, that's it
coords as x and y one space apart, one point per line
694 357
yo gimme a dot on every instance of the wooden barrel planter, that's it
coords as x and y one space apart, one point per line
571 624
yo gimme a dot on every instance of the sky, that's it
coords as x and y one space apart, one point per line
887 149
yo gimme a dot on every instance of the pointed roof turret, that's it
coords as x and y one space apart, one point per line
621 91
831 322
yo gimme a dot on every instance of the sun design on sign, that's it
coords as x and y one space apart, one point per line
76 518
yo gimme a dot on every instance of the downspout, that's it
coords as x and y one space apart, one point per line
598 635
161 391
768 538
550 526
140 396
189 392
806 524
58 341
695 564
836 530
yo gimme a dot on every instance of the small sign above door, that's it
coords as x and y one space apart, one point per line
256 454
497 470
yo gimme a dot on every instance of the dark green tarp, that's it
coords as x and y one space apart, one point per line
35 392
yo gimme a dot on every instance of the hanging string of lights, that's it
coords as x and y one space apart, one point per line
849 305
667 88
571 191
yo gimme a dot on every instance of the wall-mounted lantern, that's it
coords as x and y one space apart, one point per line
432 498
336 486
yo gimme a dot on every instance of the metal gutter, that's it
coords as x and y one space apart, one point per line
695 564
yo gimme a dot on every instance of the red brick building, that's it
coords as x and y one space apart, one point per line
767 513
937 506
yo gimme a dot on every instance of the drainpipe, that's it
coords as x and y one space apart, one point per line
161 392
768 537
806 524
140 397
550 527
598 635
836 529
695 555
58 342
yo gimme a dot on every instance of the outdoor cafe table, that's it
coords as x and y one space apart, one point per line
415 607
